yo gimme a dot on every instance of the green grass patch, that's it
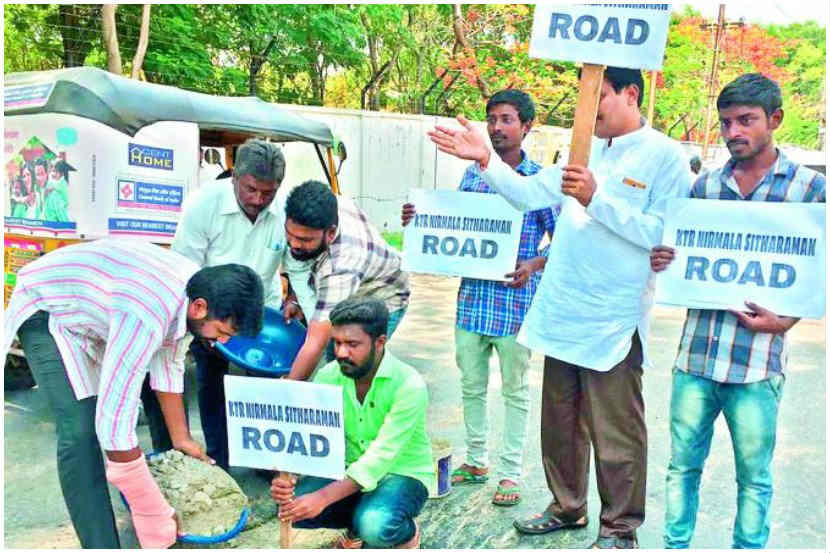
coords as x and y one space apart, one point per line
394 239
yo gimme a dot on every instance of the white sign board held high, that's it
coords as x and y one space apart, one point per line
728 252
464 234
285 425
617 35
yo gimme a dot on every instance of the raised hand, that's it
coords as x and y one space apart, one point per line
465 143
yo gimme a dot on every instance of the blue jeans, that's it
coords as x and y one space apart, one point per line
751 411
382 518
395 318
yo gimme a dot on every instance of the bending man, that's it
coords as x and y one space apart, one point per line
94 319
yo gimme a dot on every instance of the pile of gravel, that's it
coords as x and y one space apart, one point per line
207 498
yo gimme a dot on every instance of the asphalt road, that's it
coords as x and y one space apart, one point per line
35 515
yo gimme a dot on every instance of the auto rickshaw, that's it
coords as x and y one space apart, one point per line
127 107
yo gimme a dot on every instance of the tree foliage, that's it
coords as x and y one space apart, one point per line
412 58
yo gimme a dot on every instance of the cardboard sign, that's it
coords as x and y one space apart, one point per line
727 252
462 234
285 425
620 35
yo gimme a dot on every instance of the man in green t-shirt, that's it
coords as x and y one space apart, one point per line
389 468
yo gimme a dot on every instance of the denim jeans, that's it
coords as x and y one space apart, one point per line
382 518
472 355
750 411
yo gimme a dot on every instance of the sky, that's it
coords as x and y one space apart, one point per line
762 11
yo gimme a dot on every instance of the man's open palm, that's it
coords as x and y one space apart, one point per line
465 143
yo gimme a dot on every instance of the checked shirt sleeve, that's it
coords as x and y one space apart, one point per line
332 288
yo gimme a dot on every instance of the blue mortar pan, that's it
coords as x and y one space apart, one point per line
269 353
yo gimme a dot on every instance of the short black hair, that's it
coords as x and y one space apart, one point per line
370 313
312 204
621 77
516 98
232 291
751 89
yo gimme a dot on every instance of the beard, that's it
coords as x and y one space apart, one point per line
194 326
356 372
305 255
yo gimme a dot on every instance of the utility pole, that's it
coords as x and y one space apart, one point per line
720 28
652 91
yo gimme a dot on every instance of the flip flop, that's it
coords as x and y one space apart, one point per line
543 523
467 477
507 490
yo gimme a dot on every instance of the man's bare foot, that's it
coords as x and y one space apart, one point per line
507 493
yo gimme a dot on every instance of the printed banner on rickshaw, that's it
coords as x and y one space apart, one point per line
285 425
619 35
464 234
71 177
728 252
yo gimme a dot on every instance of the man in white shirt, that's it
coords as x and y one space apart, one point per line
234 221
589 315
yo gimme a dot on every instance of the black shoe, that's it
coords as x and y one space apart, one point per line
616 542
545 522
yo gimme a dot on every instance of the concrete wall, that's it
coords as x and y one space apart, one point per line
389 153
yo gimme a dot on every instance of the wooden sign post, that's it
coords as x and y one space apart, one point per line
585 116
598 36
294 427
285 525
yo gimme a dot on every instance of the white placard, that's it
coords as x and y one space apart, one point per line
285 425
616 35
465 234
728 252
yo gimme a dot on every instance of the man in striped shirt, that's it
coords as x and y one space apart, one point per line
94 319
350 258
729 361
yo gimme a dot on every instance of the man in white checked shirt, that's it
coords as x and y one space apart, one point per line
94 319
348 258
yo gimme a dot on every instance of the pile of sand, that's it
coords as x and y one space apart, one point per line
207 498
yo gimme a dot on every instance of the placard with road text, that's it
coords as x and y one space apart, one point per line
727 252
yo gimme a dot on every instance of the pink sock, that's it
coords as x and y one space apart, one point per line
152 515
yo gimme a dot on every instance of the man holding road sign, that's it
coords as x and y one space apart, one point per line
388 453
734 361
489 312
590 313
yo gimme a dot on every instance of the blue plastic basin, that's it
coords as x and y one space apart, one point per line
272 351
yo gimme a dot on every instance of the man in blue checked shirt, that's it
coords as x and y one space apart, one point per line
729 361
489 313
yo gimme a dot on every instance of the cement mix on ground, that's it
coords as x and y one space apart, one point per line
207 498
